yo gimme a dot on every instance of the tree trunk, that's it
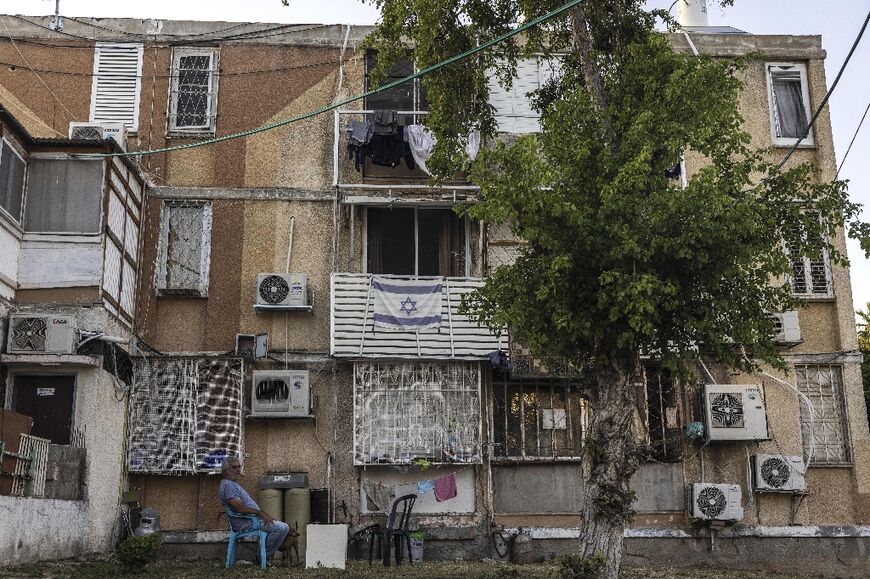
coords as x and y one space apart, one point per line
588 66
611 456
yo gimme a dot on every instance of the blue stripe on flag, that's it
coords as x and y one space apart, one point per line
410 289
423 321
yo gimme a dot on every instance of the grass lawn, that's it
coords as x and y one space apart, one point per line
102 567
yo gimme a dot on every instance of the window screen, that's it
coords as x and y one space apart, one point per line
64 196
11 182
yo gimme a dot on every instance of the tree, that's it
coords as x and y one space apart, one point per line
618 261
864 346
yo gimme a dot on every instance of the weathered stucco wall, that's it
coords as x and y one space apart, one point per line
39 529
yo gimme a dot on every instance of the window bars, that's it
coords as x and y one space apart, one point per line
825 433
194 90
185 248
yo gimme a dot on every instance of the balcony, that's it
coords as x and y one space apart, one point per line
353 334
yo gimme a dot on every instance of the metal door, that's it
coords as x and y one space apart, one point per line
48 400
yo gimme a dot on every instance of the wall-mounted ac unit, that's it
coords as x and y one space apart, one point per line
252 346
788 329
31 333
777 473
280 394
735 412
282 289
99 131
715 502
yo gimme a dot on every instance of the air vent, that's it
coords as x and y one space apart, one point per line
41 334
787 327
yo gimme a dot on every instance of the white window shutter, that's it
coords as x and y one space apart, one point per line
117 80
514 112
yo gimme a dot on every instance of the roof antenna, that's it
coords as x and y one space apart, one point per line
57 23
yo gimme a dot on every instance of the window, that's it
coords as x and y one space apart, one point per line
514 112
12 169
416 242
115 89
185 248
789 103
192 105
825 434
64 196
408 96
536 419
404 411
662 414
810 275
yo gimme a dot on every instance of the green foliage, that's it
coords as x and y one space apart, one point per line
577 567
134 553
423 463
864 346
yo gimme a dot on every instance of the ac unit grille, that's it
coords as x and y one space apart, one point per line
87 133
775 472
274 289
727 410
29 334
711 502
274 390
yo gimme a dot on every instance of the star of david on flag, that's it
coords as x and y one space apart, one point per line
406 304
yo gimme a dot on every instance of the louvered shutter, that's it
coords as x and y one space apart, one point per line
514 112
115 94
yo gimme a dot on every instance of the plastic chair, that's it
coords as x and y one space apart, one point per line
235 536
397 527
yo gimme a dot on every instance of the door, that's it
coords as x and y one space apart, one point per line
48 400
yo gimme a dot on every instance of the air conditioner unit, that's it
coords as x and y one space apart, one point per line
31 333
735 412
252 346
280 394
777 473
715 502
98 132
788 329
282 289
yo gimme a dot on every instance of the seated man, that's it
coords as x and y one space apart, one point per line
231 493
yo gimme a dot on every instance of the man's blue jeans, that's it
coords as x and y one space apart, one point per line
276 530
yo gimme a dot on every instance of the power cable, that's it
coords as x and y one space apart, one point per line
335 105
852 142
824 100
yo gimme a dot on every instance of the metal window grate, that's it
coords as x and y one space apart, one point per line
823 386
194 90
404 411
810 275
662 414
538 419
185 248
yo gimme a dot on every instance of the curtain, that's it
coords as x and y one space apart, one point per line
790 113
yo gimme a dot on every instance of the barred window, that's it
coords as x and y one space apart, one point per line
407 96
537 419
185 249
662 414
416 410
811 274
194 90
825 433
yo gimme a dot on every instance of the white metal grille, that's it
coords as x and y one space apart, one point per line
194 90
115 91
826 434
30 467
404 411
810 275
185 248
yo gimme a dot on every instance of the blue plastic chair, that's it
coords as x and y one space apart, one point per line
235 536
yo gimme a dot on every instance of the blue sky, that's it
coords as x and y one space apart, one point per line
837 22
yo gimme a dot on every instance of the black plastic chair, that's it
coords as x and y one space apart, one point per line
397 527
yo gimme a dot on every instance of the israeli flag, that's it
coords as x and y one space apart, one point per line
404 304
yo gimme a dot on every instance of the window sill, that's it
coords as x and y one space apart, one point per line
163 293
781 144
508 461
839 465
814 298
192 134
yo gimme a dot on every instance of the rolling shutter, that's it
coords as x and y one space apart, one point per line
115 94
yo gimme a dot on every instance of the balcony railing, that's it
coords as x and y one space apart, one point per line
354 335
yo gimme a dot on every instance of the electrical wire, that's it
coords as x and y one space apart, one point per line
824 100
335 105
852 142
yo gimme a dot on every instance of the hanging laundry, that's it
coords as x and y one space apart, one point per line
379 495
385 122
445 488
388 150
425 486
382 141
421 142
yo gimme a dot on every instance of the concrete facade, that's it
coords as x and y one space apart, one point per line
264 186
